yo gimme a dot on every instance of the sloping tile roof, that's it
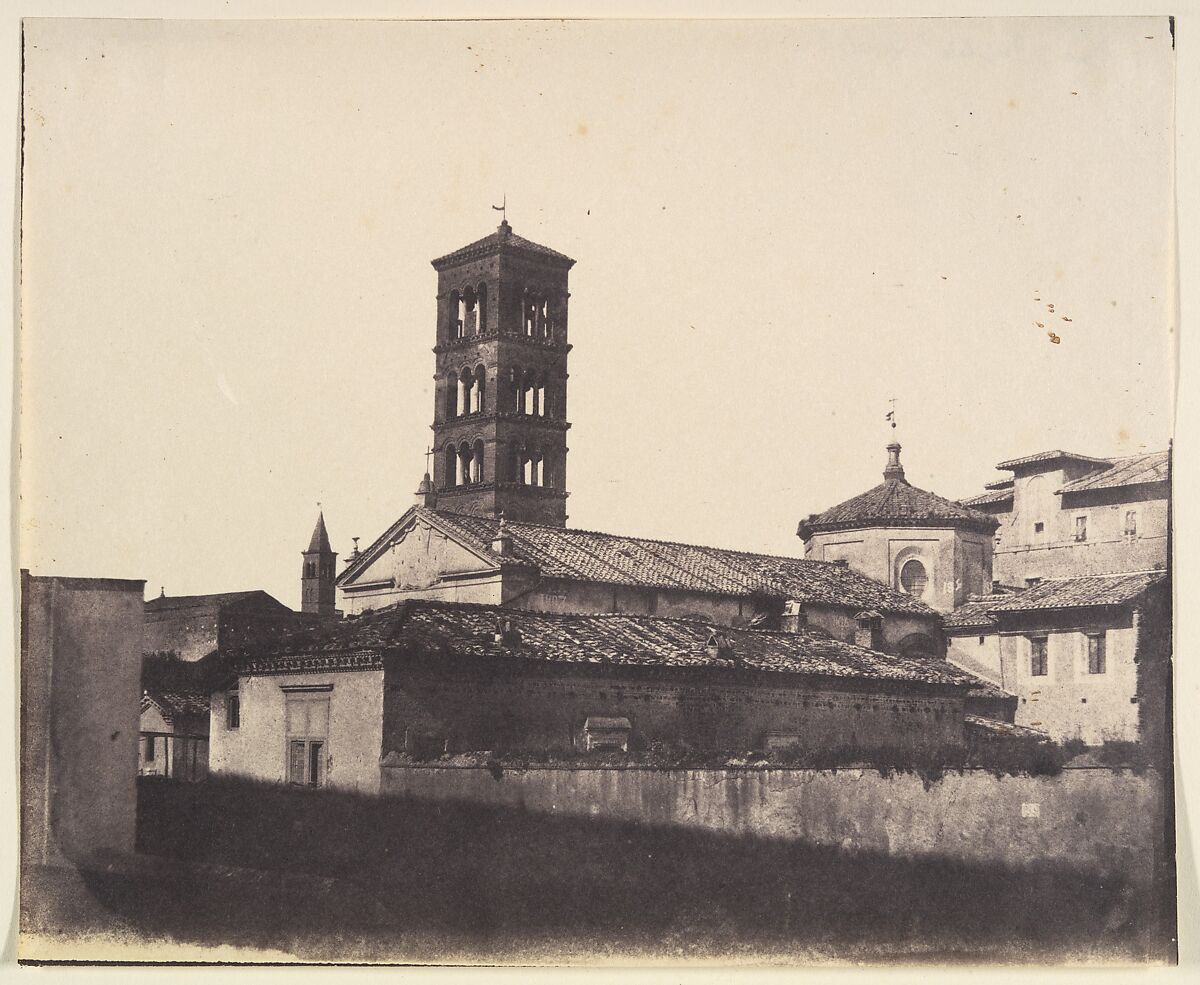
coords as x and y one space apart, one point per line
1083 591
895 503
1000 484
1054 455
1003 729
585 555
219 600
974 612
502 238
1132 471
466 630
989 498
178 704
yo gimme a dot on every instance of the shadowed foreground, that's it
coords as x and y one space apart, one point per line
332 876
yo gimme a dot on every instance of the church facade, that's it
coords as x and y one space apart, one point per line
489 524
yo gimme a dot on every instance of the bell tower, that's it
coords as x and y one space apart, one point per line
317 593
500 411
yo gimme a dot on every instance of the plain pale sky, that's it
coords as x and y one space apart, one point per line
228 307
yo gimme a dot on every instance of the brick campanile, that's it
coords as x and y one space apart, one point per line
500 406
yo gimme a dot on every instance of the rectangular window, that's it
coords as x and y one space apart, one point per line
307 725
1081 528
233 710
1039 528
1037 656
1096 653
1131 523
149 749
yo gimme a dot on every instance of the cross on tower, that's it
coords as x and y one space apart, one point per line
428 460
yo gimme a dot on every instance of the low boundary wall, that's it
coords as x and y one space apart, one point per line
1110 820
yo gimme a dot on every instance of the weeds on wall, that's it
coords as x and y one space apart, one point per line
1008 757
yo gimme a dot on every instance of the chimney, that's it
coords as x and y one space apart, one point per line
720 647
425 494
894 469
868 630
502 542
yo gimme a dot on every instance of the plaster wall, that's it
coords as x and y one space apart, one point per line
957 562
1101 819
1068 702
81 662
257 748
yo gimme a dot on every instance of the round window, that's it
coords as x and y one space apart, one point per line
913 578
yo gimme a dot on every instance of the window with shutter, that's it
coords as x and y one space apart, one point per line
307 724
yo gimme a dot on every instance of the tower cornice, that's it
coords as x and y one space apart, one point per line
542 345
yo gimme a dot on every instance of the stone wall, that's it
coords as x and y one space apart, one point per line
1103 819
527 704
191 633
81 662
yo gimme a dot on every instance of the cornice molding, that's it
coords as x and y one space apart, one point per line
454 345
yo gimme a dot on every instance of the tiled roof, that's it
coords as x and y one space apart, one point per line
1003 729
1133 471
974 612
502 238
465 630
999 484
1054 455
895 503
989 498
219 600
585 555
178 704
1080 592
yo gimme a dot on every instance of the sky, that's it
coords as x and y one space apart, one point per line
227 307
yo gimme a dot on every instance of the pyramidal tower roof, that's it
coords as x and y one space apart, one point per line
501 241
319 544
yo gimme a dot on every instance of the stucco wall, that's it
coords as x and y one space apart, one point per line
978 653
1068 702
81 663
1022 554
414 566
1109 820
546 706
957 563
258 747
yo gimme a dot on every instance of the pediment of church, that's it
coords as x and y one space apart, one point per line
415 554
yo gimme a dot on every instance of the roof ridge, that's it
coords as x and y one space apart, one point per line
642 617
649 540
1102 574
